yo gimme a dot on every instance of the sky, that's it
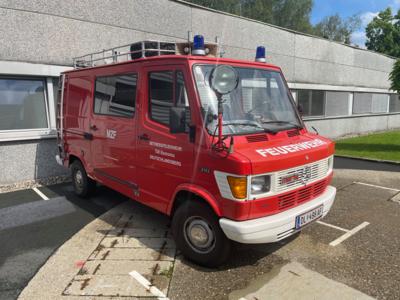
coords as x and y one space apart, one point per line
367 9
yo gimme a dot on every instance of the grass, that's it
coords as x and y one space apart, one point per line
383 146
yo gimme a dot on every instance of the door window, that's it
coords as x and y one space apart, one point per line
161 96
166 92
116 95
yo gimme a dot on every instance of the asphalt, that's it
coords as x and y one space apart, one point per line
31 229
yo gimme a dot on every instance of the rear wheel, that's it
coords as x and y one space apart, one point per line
198 235
83 185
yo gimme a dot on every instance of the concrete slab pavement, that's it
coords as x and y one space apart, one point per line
97 262
294 281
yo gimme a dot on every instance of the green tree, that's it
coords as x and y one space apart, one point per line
395 77
292 14
383 33
335 28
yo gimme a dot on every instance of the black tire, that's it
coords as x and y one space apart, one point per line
193 218
83 185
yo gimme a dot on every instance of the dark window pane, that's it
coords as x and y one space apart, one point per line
394 103
161 96
22 104
317 103
116 95
304 101
311 102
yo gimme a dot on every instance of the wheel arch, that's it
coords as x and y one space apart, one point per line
187 192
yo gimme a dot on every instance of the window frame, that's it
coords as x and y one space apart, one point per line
34 133
116 75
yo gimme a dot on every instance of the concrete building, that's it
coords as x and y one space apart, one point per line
343 90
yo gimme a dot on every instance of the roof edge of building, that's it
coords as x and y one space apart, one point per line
279 27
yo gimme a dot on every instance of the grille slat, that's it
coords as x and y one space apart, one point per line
302 195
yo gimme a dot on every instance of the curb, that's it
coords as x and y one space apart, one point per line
391 162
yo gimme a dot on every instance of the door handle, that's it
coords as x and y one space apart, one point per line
93 127
144 137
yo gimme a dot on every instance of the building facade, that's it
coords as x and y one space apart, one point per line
342 90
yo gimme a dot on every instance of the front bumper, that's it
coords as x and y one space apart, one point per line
276 227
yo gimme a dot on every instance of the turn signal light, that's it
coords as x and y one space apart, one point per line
238 186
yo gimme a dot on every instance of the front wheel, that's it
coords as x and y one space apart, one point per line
83 185
198 235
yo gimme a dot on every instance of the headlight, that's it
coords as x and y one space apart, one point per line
238 186
260 184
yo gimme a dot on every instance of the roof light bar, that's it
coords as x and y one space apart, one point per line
260 54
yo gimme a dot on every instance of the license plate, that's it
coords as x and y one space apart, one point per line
309 216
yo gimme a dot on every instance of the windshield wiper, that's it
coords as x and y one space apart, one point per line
297 126
250 124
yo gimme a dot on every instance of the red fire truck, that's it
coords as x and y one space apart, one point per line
217 144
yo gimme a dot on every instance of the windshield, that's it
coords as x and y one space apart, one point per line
260 103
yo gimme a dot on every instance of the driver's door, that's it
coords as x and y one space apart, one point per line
164 160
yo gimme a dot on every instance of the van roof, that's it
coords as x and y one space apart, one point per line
205 59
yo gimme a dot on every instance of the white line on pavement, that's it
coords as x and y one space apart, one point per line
333 226
43 196
377 186
148 286
348 234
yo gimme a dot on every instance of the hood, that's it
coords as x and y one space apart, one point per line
279 153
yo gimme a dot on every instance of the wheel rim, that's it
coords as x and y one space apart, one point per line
199 234
79 179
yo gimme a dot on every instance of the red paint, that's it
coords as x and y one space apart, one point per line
124 163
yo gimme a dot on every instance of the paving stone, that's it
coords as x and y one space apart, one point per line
123 267
140 232
145 220
127 242
167 254
113 285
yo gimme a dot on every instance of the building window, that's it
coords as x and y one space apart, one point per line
161 96
116 95
337 104
365 103
23 104
312 103
394 105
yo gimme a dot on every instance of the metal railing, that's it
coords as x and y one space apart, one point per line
125 53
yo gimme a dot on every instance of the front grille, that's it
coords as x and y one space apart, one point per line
296 177
301 195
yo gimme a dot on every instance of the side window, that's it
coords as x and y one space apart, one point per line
161 96
115 95
181 98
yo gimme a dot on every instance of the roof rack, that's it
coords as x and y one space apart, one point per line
137 50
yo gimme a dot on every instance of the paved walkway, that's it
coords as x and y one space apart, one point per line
128 253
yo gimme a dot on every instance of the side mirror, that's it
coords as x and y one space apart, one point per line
177 120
